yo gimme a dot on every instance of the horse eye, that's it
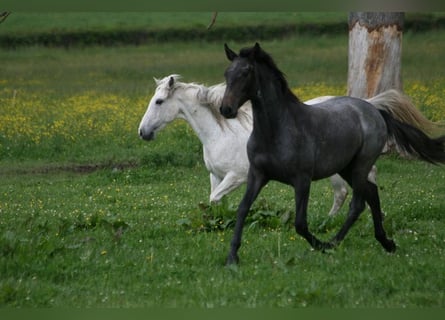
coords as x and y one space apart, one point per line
246 70
159 101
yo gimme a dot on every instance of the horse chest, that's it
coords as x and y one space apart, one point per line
220 162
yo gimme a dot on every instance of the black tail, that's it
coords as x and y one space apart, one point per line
415 141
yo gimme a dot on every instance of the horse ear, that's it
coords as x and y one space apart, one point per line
229 53
157 81
256 50
171 81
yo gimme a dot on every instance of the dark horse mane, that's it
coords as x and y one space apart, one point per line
264 58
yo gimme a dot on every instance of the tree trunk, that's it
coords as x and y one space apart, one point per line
375 51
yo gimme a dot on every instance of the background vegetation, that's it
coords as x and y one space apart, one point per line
136 28
90 215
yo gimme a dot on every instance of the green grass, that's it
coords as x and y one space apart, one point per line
116 238
108 220
129 70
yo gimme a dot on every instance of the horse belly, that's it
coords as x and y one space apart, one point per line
333 155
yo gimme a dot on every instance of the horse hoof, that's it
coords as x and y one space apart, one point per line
328 247
323 246
390 246
232 260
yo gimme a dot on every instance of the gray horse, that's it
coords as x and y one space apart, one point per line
295 144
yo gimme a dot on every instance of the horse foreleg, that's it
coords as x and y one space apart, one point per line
230 182
214 183
302 190
254 185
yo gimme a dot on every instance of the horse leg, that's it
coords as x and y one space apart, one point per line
340 193
214 182
302 190
230 182
357 179
364 190
372 198
356 207
372 175
254 185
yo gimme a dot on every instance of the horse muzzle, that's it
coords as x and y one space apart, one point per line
228 112
146 135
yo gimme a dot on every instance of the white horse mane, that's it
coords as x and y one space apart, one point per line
207 96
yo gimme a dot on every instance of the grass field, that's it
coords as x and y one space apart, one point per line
91 216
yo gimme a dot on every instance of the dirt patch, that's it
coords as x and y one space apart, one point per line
72 168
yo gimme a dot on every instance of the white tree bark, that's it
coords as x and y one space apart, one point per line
375 52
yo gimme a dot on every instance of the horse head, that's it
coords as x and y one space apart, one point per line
161 109
240 76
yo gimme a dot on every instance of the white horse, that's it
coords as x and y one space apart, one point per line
224 140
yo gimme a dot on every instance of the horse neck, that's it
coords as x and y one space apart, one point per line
272 106
200 118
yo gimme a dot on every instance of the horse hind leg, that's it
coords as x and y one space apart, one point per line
302 188
341 191
340 194
372 198
356 207
365 191
356 176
